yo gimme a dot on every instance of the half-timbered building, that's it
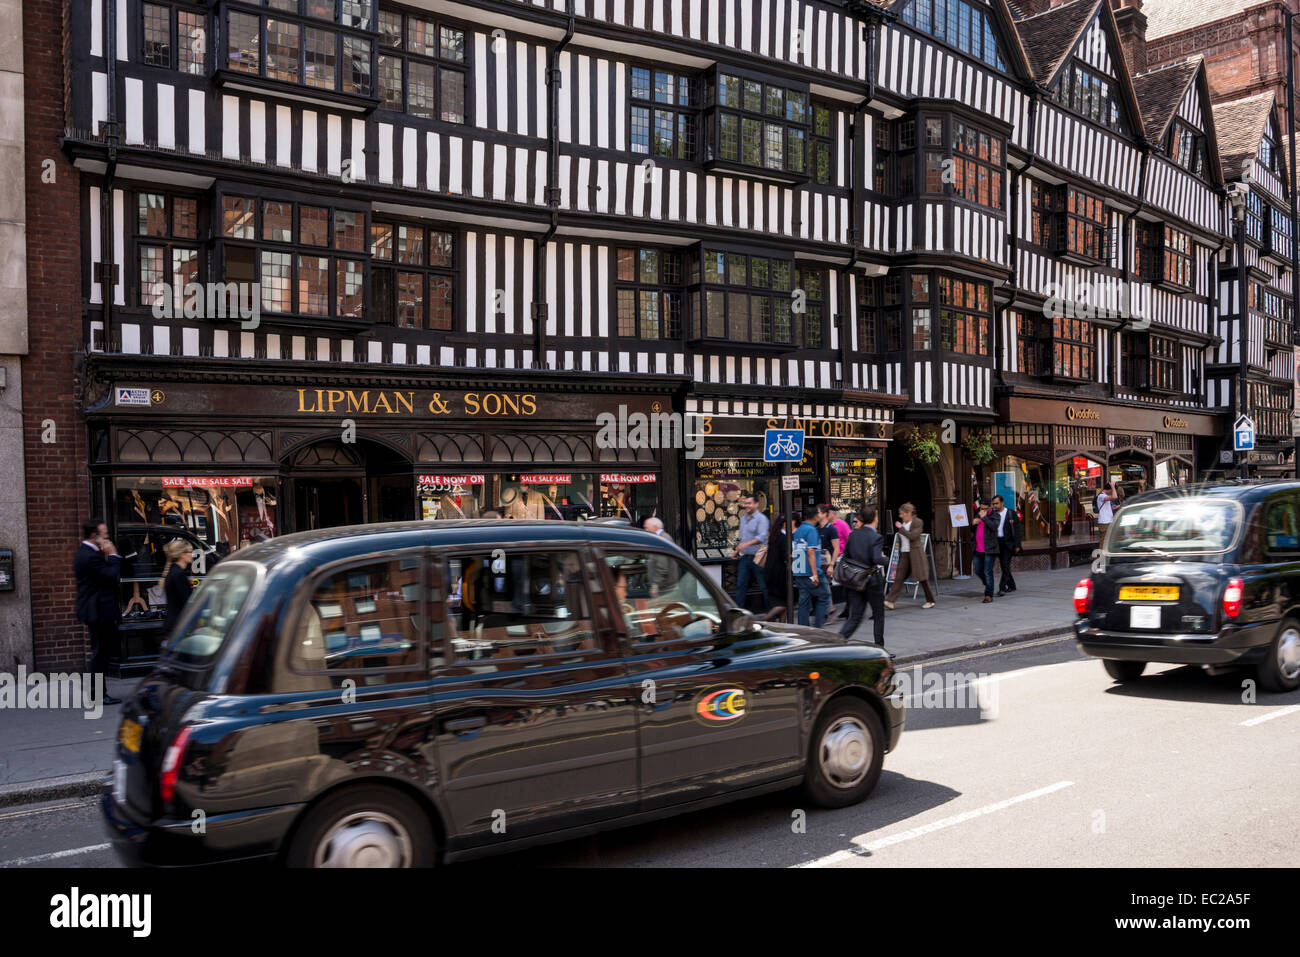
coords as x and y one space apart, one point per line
480 233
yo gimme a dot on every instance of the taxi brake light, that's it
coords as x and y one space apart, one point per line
1083 596
171 766
1232 596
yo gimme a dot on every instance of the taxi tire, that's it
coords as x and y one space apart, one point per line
1267 672
816 788
339 805
1123 671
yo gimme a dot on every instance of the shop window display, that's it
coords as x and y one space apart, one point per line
216 514
553 495
1034 495
855 483
719 487
1074 501
450 496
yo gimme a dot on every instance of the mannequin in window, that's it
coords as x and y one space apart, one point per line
263 498
527 504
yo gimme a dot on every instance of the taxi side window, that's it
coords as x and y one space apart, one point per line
365 617
660 598
1282 528
510 605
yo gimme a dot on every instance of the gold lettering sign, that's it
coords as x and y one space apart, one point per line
1072 413
1172 422
396 402
822 428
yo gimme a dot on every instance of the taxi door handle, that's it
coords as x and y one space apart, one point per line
461 725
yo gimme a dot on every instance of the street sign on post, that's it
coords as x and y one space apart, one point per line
1243 434
783 445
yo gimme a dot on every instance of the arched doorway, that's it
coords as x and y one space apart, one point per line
331 483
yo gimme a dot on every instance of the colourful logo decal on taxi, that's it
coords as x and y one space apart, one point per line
720 705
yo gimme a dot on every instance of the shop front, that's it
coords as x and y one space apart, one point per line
843 464
244 456
1053 457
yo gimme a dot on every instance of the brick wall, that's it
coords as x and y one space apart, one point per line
57 480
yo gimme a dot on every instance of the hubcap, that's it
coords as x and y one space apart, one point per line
1288 654
365 839
845 752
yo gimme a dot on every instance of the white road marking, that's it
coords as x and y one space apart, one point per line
930 828
21 861
1279 713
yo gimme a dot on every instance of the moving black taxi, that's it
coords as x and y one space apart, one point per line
1205 574
396 695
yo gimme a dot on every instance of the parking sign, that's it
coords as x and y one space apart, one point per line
1243 434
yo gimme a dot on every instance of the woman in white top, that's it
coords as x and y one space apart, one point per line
1106 499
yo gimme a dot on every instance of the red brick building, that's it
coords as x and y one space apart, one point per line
56 470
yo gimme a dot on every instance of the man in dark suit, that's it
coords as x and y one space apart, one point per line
1009 538
864 547
99 572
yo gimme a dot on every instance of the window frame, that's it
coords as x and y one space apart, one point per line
938 25
451 274
1070 95
296 248
779 300
686 122
174 59
713 109
134 290
225 73
438 63
670 330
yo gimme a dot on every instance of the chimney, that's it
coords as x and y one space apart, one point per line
1132 25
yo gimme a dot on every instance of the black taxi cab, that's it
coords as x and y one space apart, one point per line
398 695
1205 574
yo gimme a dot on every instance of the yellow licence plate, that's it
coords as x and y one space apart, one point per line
130 735
1149 593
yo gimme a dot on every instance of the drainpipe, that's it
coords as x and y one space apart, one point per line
108 258
541 309
1014 184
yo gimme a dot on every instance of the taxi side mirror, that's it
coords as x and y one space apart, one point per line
738 621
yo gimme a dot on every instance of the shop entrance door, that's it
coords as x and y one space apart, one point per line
1131 473
327 502
335 484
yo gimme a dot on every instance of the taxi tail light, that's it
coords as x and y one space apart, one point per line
1232 596
171 766
1083 596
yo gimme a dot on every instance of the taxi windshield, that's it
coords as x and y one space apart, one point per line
1175 527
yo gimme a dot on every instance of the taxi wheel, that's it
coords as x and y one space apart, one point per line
846 754
1123 671
363 827
1280 670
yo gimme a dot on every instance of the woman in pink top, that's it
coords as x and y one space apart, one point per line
986 548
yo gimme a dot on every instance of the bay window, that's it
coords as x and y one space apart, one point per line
306 43
755 124
308 258
662 113
756 300
965 315
1152 363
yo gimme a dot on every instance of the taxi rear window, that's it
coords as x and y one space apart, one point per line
1184 526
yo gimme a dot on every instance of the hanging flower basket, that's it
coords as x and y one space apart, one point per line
923 445
979 446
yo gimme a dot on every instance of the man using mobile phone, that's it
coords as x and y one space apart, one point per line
98 570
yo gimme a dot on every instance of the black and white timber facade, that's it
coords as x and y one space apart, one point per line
477 228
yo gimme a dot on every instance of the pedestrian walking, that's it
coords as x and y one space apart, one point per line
865 548
831 549
754 528
806 565
986 548
175 580
1106 500
1009 538
911 556
98 570
778 560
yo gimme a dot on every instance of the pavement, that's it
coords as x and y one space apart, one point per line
49 754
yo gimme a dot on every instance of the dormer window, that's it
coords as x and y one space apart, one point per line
1090 95
1187 149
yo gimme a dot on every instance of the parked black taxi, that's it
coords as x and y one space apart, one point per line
1205 574
396 695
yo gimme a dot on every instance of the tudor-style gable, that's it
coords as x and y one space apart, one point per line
971 26
1178 120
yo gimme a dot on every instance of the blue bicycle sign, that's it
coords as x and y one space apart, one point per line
783 445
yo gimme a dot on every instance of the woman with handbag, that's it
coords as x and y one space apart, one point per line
864 563
175 580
